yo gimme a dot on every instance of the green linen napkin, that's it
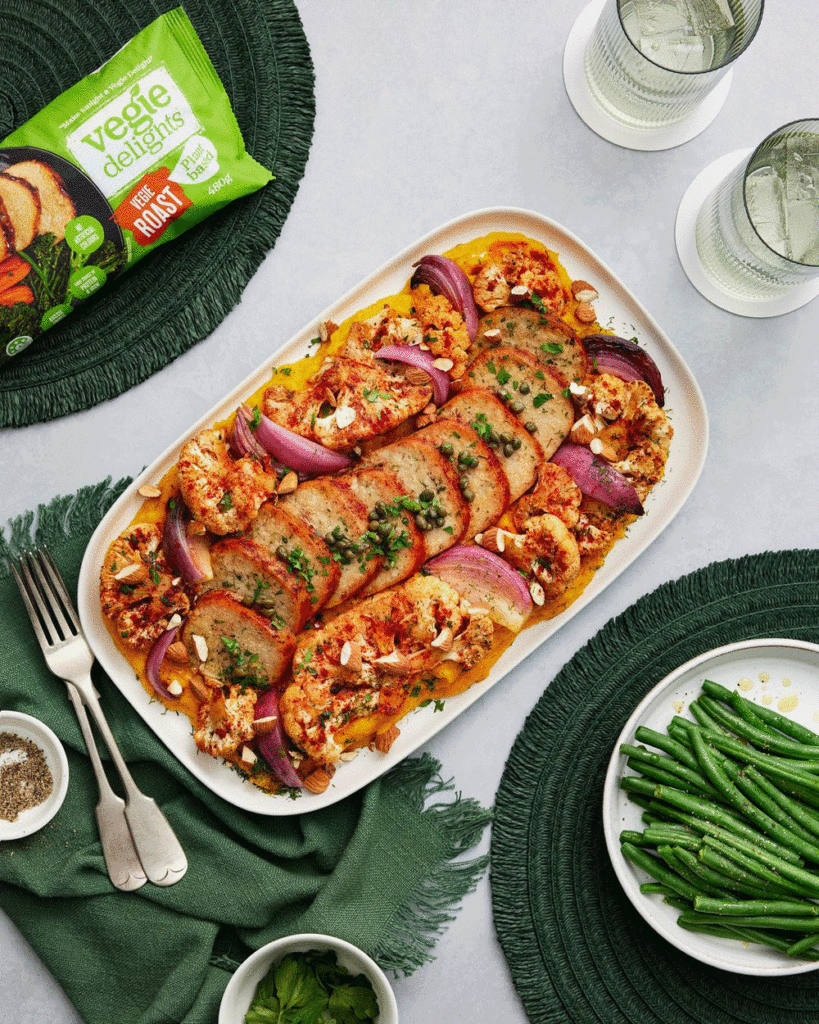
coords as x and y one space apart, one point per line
382 869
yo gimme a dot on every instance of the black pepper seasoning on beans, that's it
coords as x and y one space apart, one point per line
25 778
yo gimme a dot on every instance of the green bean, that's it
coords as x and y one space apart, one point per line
760 795
707 877
717 816
763 739
677 902
763 821
783 924
719 930
656 834
746 881
656 889
666 764
789 771
806 818
801 946
636 838
755 908
675 862
770 717
780 871
649 771
664 742
703 717
659 872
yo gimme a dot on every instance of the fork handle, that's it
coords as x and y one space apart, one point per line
121 860
160 852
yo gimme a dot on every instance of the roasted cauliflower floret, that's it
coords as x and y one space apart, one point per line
444 330
554 492
348 401
387 327
363 665
225 722
223 493
138 589
545 552
517 264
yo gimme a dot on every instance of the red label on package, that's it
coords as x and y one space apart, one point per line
151 205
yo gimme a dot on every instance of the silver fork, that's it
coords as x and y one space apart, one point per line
69 657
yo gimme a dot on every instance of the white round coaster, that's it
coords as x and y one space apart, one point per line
600 122
685 235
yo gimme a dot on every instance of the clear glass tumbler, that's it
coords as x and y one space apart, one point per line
650 63
757 232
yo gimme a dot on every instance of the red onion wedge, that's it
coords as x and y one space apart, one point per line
242 439
598 479
189 556
414 356
446 278
484 578
272 745
154 662
624 359
293 450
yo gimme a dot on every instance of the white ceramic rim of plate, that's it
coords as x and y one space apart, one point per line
626 315
593 115
249 973
795 297
707 949
34 818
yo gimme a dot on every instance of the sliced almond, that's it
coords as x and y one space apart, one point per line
538 593
290 481
326 329
583 430
384 740
520 292
136 572
177 653
605 451
150 491
494 539
174 621
175 688
200 689
247 756
424 421
585 313
329 397
264 726
416 376
584 292
317 781
396 663
493 333
443 364
200 645
444 640
350 657
345 415
348 755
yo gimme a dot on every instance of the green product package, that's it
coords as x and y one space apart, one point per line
130 157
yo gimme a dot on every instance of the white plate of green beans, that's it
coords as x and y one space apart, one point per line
711 807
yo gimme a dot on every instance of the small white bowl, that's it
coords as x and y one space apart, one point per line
766 667
242 986
34 818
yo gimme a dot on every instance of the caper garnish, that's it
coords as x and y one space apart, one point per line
384 529
427 495
469 496
463 482
530 426
446 448
516 443
508 449
281 551
516 405
524 388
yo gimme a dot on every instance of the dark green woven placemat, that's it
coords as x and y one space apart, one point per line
576 949
179 294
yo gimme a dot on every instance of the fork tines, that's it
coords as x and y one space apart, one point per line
45 596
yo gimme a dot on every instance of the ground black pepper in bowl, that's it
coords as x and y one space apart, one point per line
25 778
